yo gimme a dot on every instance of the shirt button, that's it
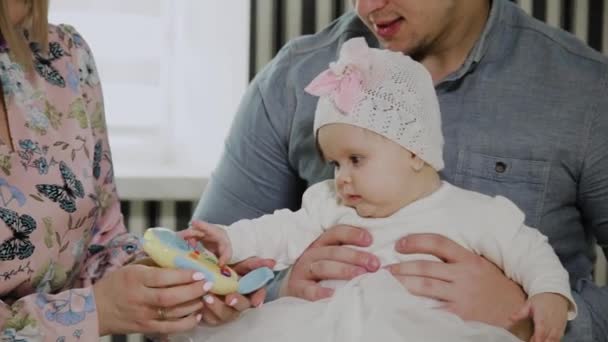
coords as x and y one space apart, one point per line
500 167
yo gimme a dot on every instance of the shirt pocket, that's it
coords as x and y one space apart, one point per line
523 181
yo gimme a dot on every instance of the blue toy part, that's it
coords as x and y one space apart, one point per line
255 280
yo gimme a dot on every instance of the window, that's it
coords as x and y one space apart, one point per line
173 72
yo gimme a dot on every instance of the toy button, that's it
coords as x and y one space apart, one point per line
225 272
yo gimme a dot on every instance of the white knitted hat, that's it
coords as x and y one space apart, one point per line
385 92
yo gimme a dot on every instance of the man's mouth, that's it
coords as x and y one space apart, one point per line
388 28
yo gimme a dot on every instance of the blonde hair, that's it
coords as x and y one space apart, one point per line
35 22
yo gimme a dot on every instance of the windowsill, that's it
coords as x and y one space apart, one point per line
159 184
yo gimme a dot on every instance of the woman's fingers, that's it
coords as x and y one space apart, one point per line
166 277
221 310
256 299
176 295
210 318
174 326
183 310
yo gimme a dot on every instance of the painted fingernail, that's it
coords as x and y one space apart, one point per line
199 317
208 299
402 242
198 276
233 302
208 285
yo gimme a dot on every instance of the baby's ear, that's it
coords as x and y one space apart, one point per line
417 162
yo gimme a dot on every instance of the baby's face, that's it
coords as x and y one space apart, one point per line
372 174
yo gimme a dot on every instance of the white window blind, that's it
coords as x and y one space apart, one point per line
172 71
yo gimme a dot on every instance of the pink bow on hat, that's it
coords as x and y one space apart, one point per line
344 80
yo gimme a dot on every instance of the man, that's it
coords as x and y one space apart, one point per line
525 115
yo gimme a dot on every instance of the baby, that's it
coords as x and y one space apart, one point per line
378 123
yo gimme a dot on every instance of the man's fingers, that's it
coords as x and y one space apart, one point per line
344 235
326 269
341 254
424 268
427 287
434 244
316 292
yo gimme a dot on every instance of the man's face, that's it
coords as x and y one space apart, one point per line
408 26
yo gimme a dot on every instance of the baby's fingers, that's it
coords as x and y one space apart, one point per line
222 260
540 329
189 234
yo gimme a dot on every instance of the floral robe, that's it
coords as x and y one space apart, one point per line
60 222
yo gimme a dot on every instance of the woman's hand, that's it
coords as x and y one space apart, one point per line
326 259
470 286
139 298
218 310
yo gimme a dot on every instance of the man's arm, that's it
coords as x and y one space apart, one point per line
592 322
253 176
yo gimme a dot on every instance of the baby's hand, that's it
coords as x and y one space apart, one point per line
213 237
549 312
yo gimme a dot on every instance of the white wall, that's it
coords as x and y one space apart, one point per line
173 72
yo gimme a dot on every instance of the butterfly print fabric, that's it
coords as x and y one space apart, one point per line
60 222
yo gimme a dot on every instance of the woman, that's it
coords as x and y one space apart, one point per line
63 243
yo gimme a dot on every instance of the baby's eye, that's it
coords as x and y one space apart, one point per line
355 159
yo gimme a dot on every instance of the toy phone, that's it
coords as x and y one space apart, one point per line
169 250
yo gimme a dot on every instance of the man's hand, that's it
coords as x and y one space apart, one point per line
470 286
326 259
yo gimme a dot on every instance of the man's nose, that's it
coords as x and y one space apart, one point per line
365 7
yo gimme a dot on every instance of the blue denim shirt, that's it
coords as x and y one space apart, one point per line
526 117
